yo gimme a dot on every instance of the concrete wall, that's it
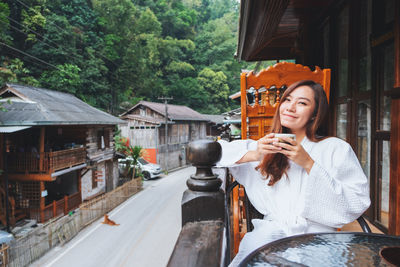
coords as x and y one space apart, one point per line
86 182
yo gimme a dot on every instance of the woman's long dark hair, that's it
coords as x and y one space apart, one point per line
275 165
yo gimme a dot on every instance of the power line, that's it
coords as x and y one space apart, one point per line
29 55
66 53
65 31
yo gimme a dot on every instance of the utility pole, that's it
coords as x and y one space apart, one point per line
166 128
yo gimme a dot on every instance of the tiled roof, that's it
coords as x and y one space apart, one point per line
175 112
38 106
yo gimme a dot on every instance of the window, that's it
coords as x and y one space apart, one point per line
103 138
364 135
94 177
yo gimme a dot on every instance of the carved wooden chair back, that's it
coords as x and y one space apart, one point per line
267 87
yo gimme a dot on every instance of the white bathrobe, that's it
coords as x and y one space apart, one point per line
334 193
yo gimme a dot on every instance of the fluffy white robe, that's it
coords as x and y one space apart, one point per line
334 193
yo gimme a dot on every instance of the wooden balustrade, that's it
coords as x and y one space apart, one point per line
203 211
62 206
74 201
67 158
27 162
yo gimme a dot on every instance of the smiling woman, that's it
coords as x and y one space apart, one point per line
312 183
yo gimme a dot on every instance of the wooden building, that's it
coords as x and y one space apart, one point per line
359 40
146 128
215 125
56 152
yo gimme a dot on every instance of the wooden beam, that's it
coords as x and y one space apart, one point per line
46 177
394 188
397 45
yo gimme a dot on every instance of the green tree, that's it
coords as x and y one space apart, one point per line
65 79
215 84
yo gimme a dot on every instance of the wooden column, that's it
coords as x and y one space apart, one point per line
41 148
54 208
65 205
80 185
394 191
42 203
204 200
243 104
397 45
2 150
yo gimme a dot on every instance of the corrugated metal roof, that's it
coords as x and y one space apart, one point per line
217 119
38 106
175 112
11 129
142 118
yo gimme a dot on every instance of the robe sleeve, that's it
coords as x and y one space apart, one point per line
336 189
234 151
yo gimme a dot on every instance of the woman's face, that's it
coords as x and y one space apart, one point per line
297 108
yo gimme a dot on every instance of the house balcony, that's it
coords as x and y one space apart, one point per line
28 166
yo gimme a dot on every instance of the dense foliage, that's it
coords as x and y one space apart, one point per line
113 53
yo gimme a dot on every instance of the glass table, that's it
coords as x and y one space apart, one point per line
328 249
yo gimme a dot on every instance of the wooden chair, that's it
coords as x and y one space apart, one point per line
267 87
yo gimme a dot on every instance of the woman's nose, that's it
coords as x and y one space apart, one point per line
291 107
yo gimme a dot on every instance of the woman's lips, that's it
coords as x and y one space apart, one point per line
290 116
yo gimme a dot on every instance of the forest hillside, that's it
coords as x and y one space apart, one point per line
114 53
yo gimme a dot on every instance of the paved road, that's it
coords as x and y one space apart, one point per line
149 226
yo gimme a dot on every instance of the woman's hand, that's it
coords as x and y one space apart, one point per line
264 146
295 152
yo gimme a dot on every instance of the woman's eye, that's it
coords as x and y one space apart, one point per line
303 103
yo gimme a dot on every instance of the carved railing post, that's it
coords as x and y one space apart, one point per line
201 240
203 200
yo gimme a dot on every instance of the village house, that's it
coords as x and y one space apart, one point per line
57 151
146 128
215 126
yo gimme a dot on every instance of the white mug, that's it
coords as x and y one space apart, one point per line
278 135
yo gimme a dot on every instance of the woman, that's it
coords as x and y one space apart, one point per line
310 184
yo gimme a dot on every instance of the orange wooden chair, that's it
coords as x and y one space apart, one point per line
267 87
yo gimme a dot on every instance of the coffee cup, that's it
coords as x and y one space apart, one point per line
279 135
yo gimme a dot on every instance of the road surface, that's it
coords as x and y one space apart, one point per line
150 222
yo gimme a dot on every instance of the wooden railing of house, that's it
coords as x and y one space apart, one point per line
27 162
201 241
60 207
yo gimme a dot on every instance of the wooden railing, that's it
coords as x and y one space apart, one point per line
60 207
67 158
30 162
203 212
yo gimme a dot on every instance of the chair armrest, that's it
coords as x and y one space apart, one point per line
364 225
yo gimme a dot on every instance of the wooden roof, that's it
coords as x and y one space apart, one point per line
271 29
